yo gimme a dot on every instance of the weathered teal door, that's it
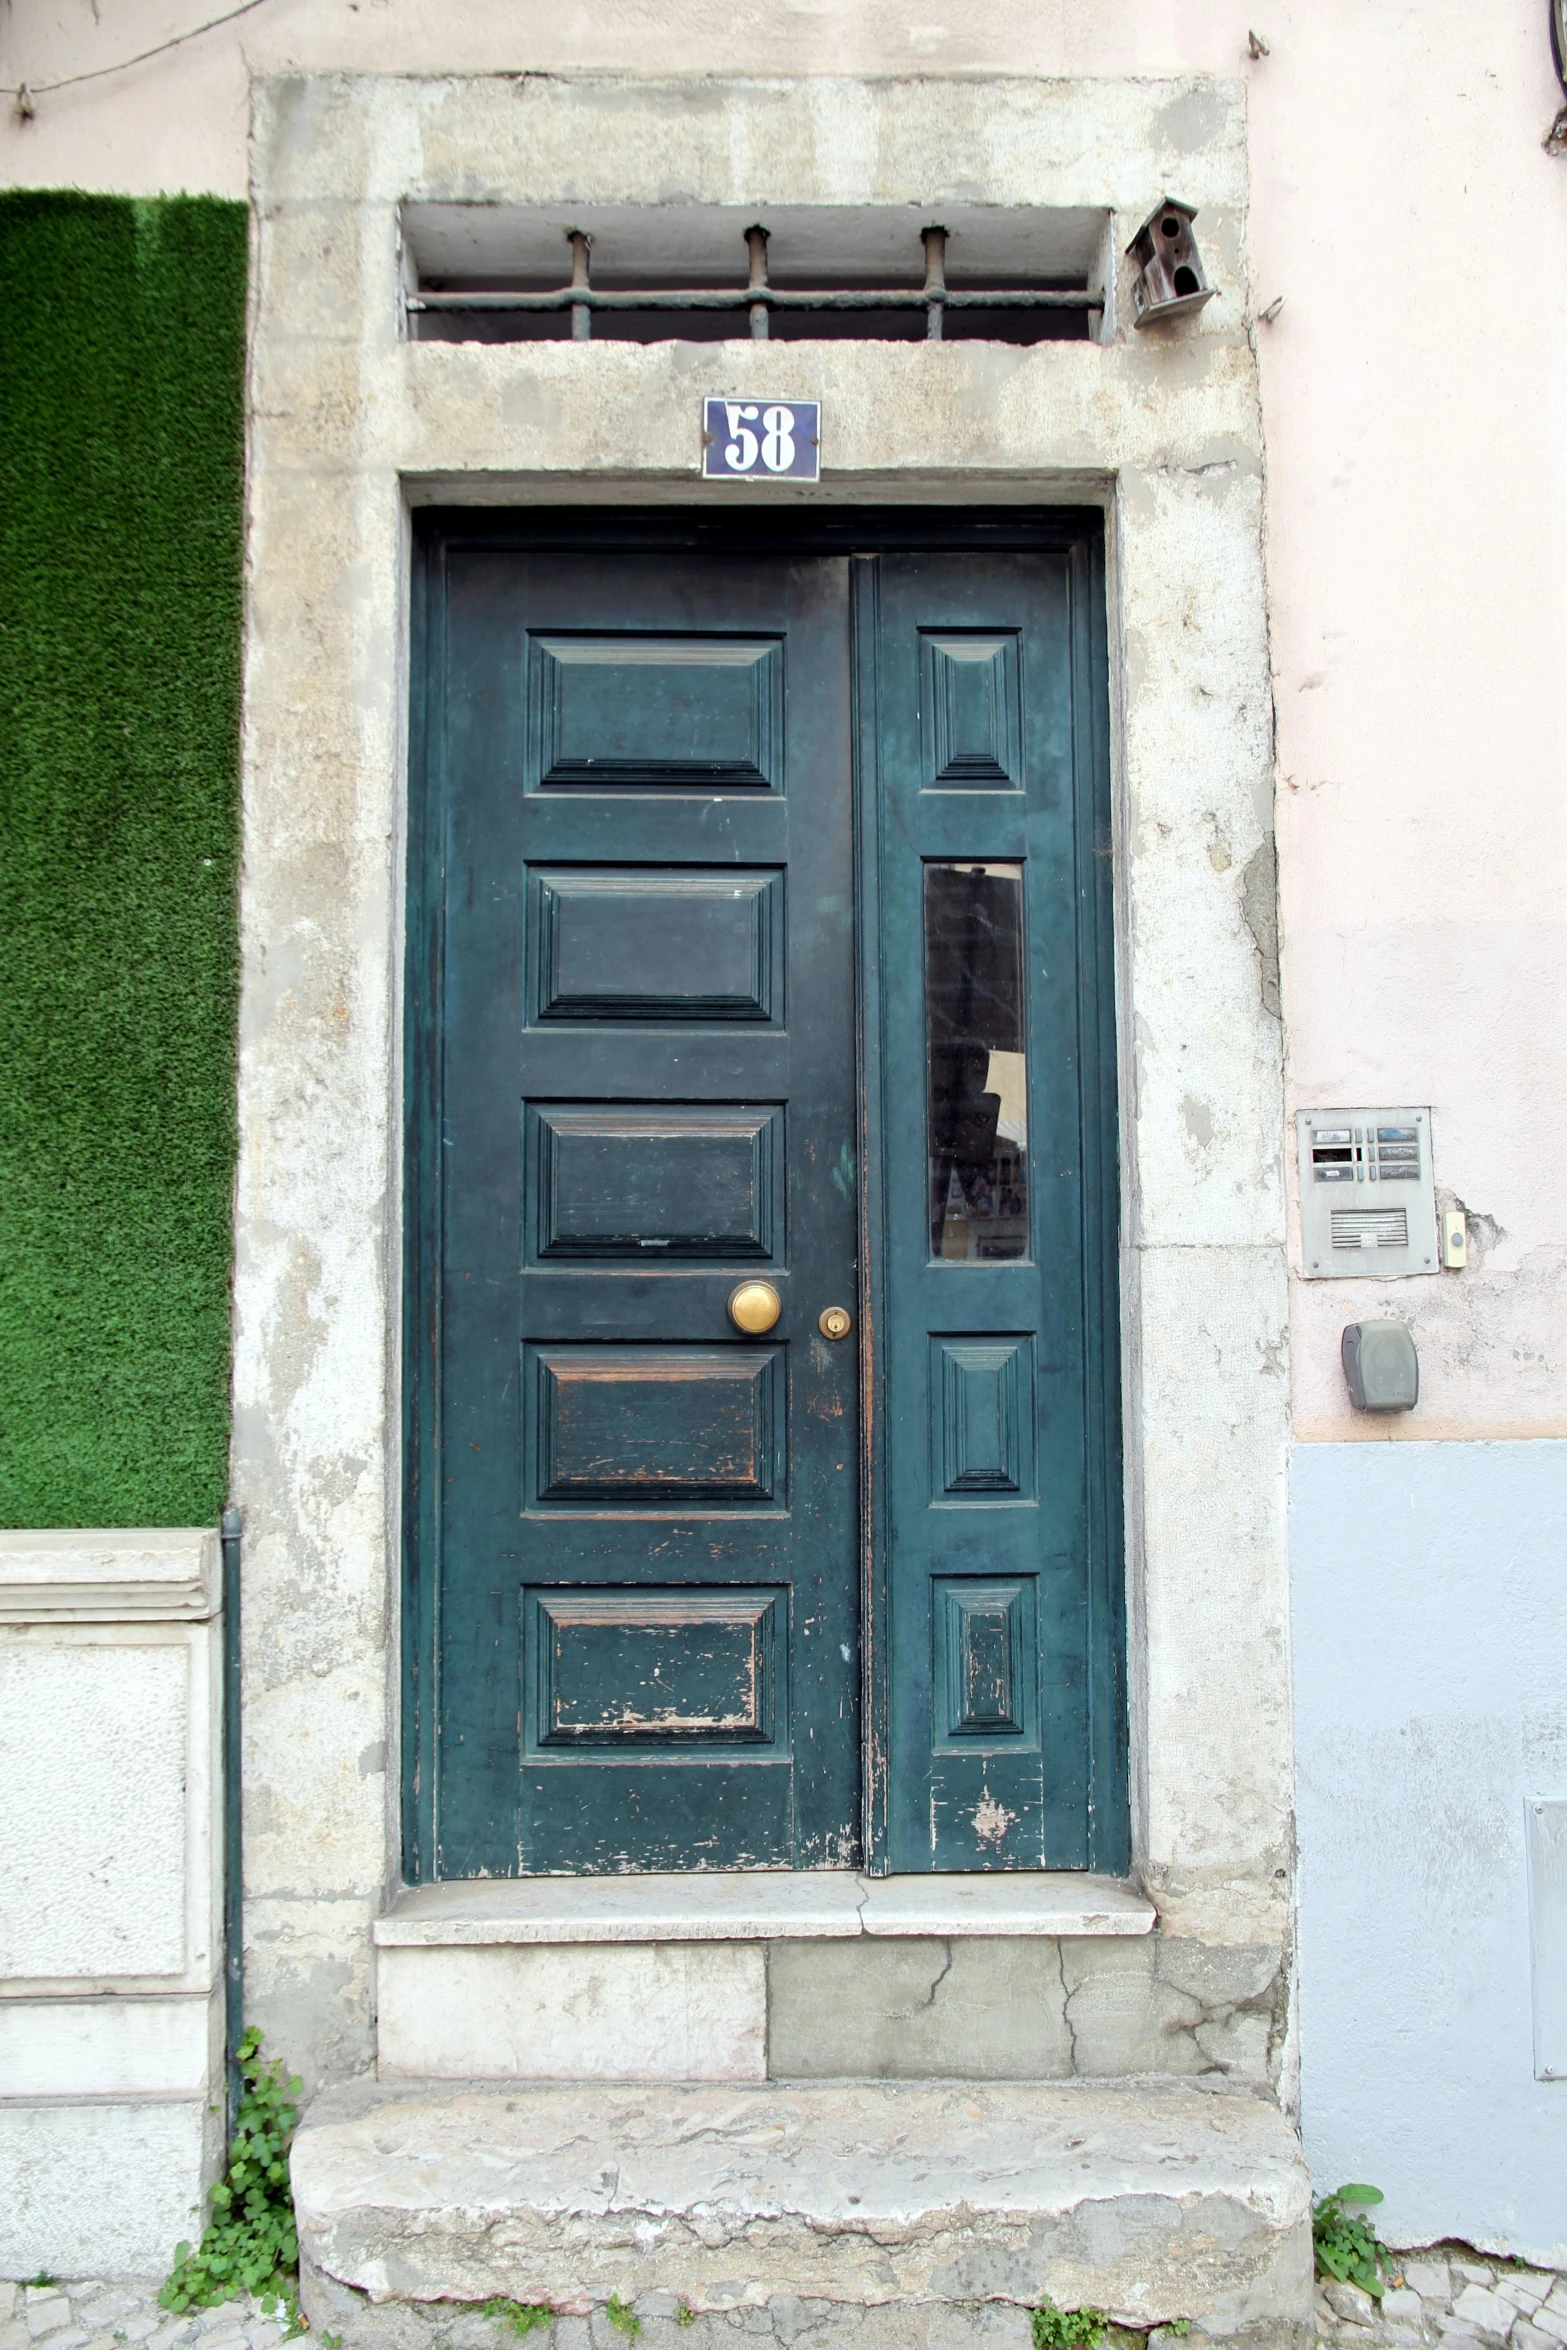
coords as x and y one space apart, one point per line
757 939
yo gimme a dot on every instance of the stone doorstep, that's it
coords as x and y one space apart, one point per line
761 1905
670 1977
1148 2200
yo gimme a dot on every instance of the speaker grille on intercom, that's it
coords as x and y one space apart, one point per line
1370 1228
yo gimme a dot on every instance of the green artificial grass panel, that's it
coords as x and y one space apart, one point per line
122 330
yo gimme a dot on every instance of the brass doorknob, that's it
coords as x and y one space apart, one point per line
835 1321
754 1307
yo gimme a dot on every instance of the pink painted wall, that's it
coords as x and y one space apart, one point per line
1415 406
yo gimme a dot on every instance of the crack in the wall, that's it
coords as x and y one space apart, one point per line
1222 2014
929 1999
1066 2007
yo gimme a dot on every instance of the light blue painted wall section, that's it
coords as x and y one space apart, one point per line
1430 1613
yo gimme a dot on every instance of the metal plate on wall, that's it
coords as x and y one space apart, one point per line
761 440
1546 1827
1367 1194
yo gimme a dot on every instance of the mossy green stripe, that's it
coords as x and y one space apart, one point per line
121 473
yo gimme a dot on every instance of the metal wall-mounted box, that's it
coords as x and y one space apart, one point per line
1367 1193
1545 1823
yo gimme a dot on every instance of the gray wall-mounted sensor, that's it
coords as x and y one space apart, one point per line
1381 1366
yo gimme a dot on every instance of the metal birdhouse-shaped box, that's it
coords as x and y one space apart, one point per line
1170 278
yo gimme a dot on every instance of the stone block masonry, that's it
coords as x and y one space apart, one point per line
111 2008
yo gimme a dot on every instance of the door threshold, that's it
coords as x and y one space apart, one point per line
759 1906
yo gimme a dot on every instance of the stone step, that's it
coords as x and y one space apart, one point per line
916 2206
813 1975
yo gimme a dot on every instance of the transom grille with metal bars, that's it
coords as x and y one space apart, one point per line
819 291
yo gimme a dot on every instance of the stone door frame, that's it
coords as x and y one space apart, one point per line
351 425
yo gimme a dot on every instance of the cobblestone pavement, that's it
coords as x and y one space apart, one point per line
1452 2296
125 2316
1446 2299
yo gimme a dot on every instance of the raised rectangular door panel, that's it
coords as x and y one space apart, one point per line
641 1182
664 945
982 1408
656 1670
677 713
971 716
986 1662
656 1427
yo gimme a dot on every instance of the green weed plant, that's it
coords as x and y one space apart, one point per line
1346 2243
251 2245
1068 2329
623 2317
519 2317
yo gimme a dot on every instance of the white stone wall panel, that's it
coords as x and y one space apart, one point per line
100 2188
648 2011
93 1750
108 2047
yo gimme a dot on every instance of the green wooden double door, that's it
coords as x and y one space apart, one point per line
762 1454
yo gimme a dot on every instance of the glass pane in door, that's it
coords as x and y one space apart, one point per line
975 1060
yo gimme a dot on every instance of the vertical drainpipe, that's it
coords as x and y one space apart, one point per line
233 1854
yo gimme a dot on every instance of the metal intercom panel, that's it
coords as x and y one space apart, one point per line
1546 1825
1367 1195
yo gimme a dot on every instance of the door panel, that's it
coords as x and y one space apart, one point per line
685 712
648 1539
658 946
643 1428
701 1184
998 1214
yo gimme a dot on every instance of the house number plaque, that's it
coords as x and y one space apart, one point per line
761 440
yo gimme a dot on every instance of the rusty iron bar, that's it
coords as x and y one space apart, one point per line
579 293
756 247
934 241
773 297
